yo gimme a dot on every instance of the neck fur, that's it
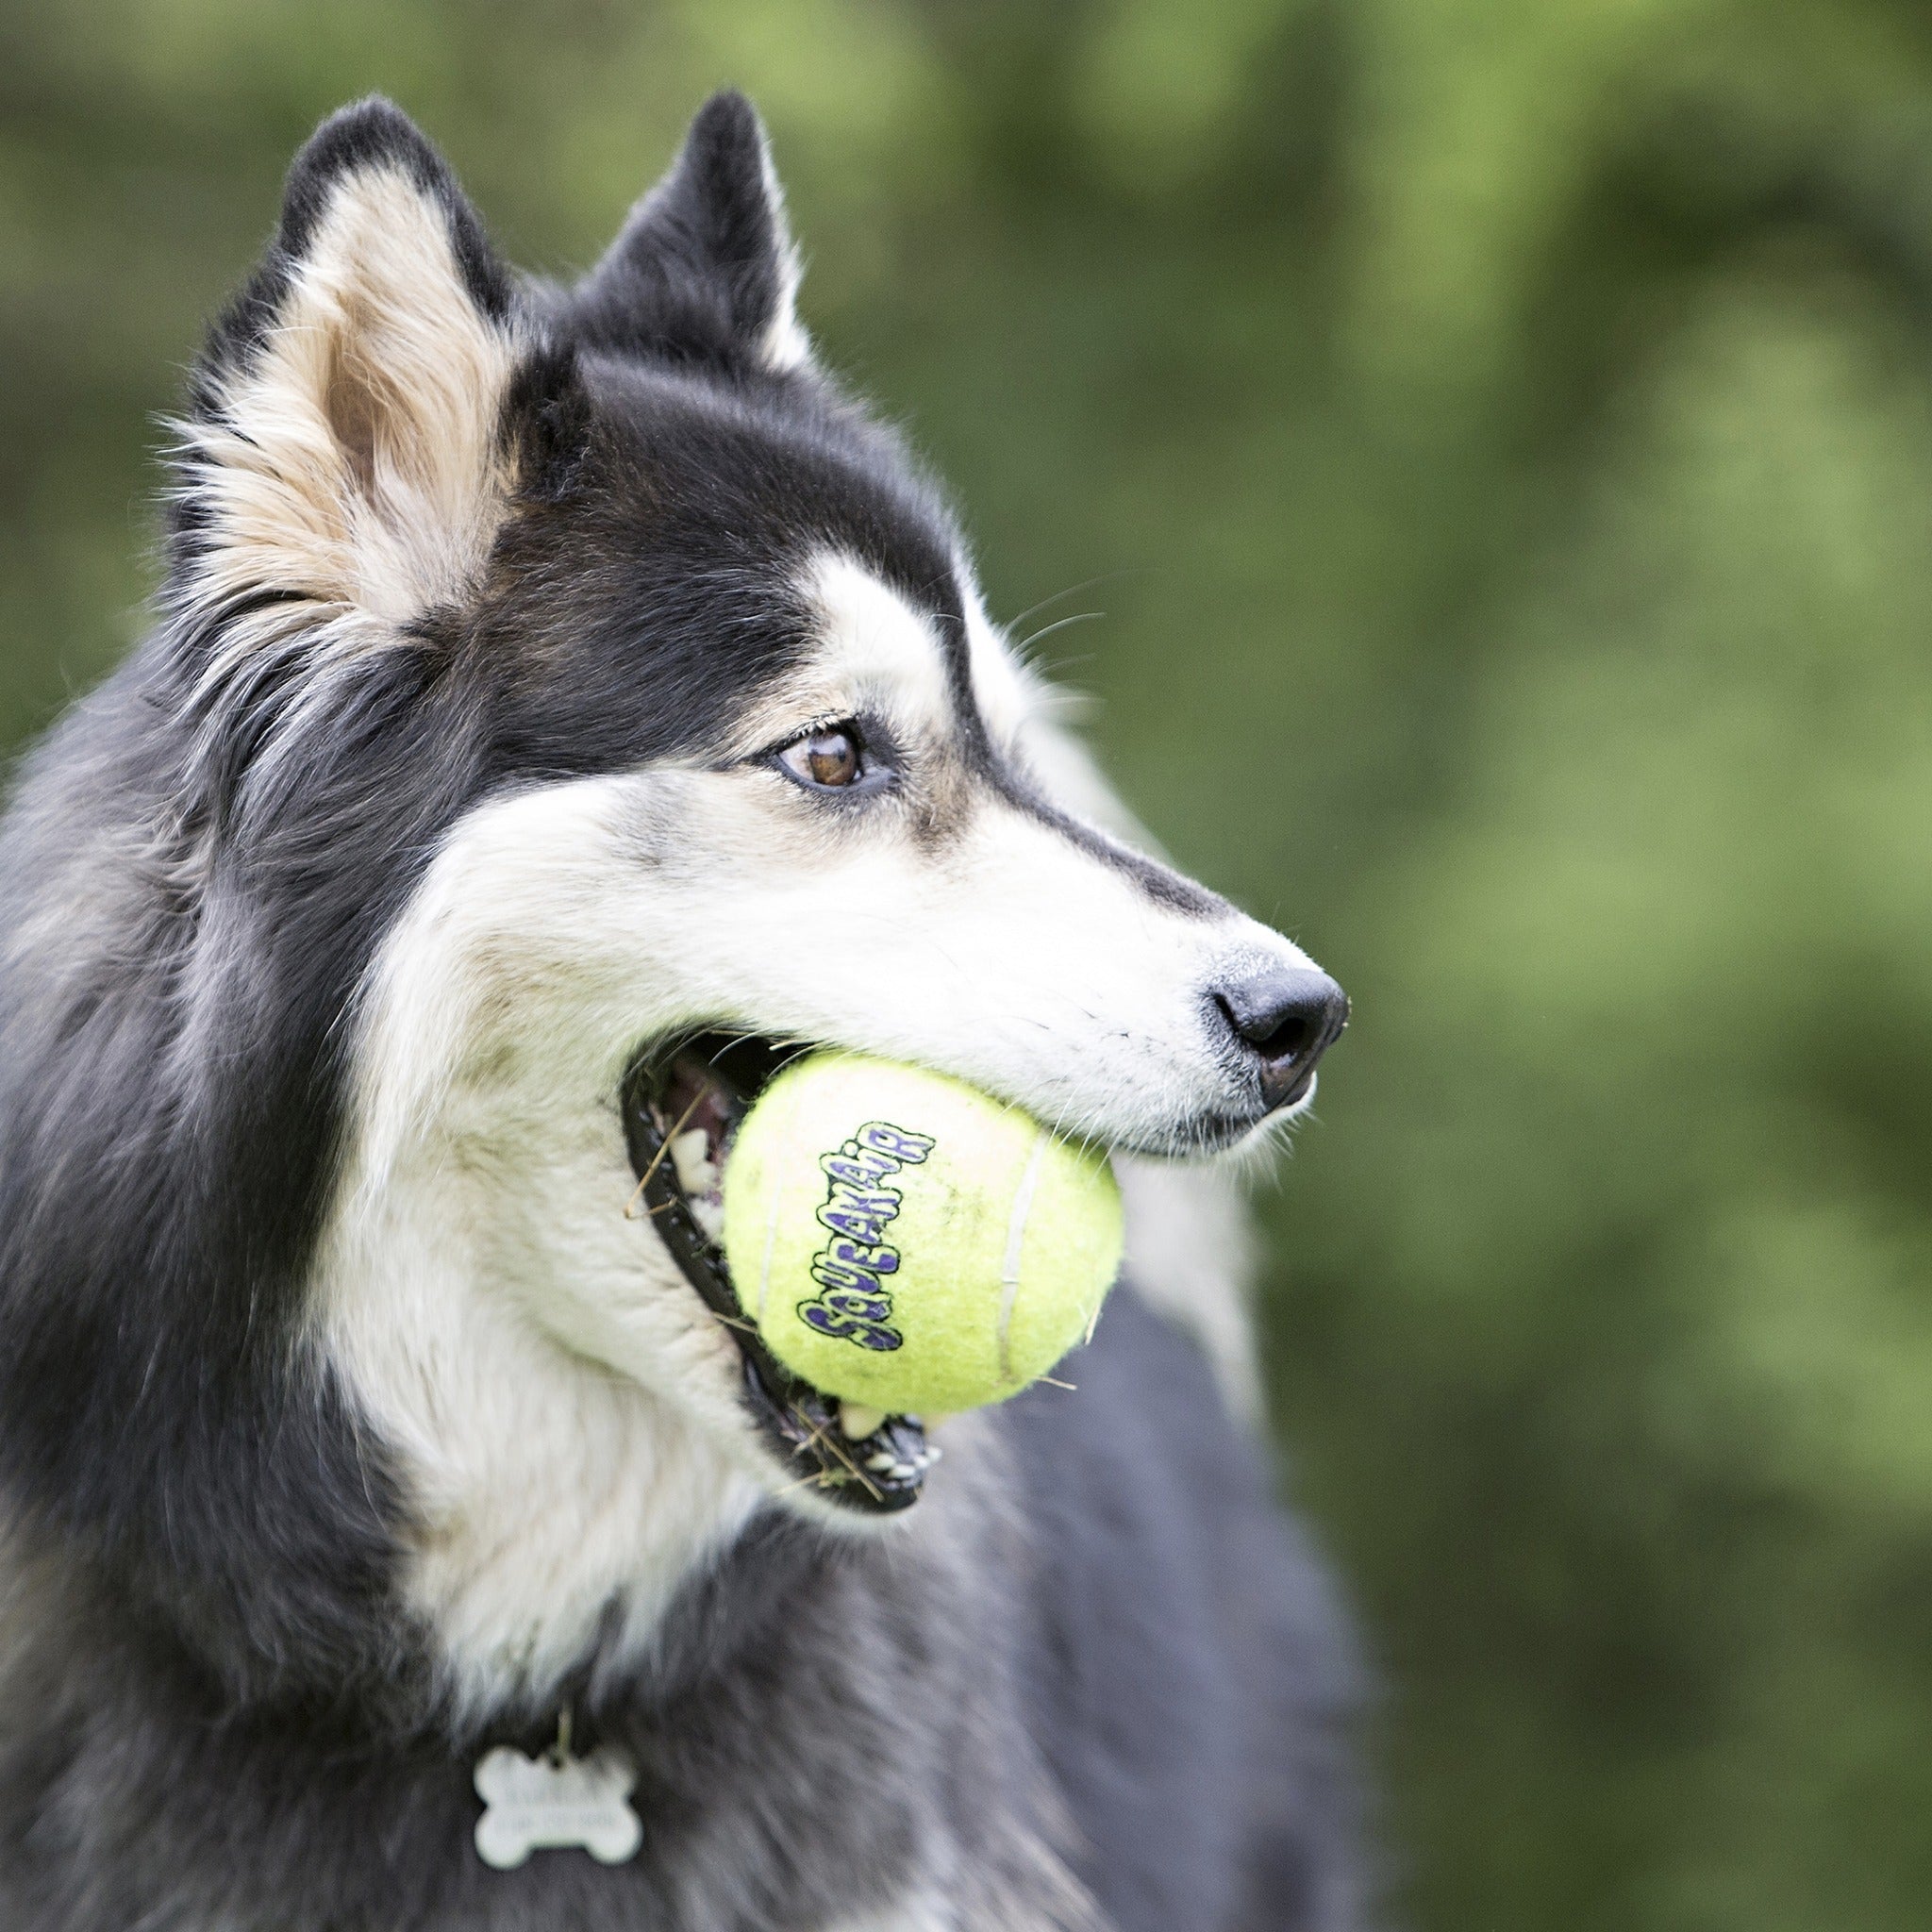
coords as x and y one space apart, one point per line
560 1406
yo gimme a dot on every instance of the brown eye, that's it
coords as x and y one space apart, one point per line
827 758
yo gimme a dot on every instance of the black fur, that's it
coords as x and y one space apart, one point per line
214 1711
697 275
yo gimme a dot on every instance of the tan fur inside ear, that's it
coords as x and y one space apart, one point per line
354 463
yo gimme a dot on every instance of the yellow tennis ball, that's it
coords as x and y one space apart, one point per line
906 1242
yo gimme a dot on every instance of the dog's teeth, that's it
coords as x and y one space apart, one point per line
691 1155
883 1463
858 1422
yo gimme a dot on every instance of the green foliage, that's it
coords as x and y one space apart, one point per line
1504 435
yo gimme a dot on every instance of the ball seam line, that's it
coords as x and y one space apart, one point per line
1016 1235
778 1198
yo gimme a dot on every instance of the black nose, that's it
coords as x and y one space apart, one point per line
1287 1018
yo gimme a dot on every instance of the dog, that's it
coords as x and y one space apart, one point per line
565 702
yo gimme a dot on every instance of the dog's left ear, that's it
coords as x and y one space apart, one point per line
346 452
704 270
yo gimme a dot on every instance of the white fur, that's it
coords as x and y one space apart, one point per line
567 1411
1191 1252
786 345
564 1405
876 655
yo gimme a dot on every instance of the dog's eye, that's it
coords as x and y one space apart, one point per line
829 759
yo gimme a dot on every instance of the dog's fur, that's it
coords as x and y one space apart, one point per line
347 1425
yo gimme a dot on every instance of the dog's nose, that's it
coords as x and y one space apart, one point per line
1287 1018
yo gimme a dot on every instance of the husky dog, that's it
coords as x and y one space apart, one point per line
564 703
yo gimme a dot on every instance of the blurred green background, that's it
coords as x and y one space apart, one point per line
1503 433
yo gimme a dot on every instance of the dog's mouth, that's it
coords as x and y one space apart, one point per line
682 1101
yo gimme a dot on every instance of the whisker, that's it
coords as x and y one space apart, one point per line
1046 630
1111 577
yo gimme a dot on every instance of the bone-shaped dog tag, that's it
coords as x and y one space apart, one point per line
556 1802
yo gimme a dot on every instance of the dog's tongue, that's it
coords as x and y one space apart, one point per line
698 1101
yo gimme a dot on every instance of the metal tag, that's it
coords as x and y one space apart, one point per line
556 1802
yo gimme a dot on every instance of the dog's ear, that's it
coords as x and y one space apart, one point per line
345 450
704 270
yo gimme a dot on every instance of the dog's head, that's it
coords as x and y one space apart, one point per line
676 738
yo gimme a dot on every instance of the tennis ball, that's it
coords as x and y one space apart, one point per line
904 1242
